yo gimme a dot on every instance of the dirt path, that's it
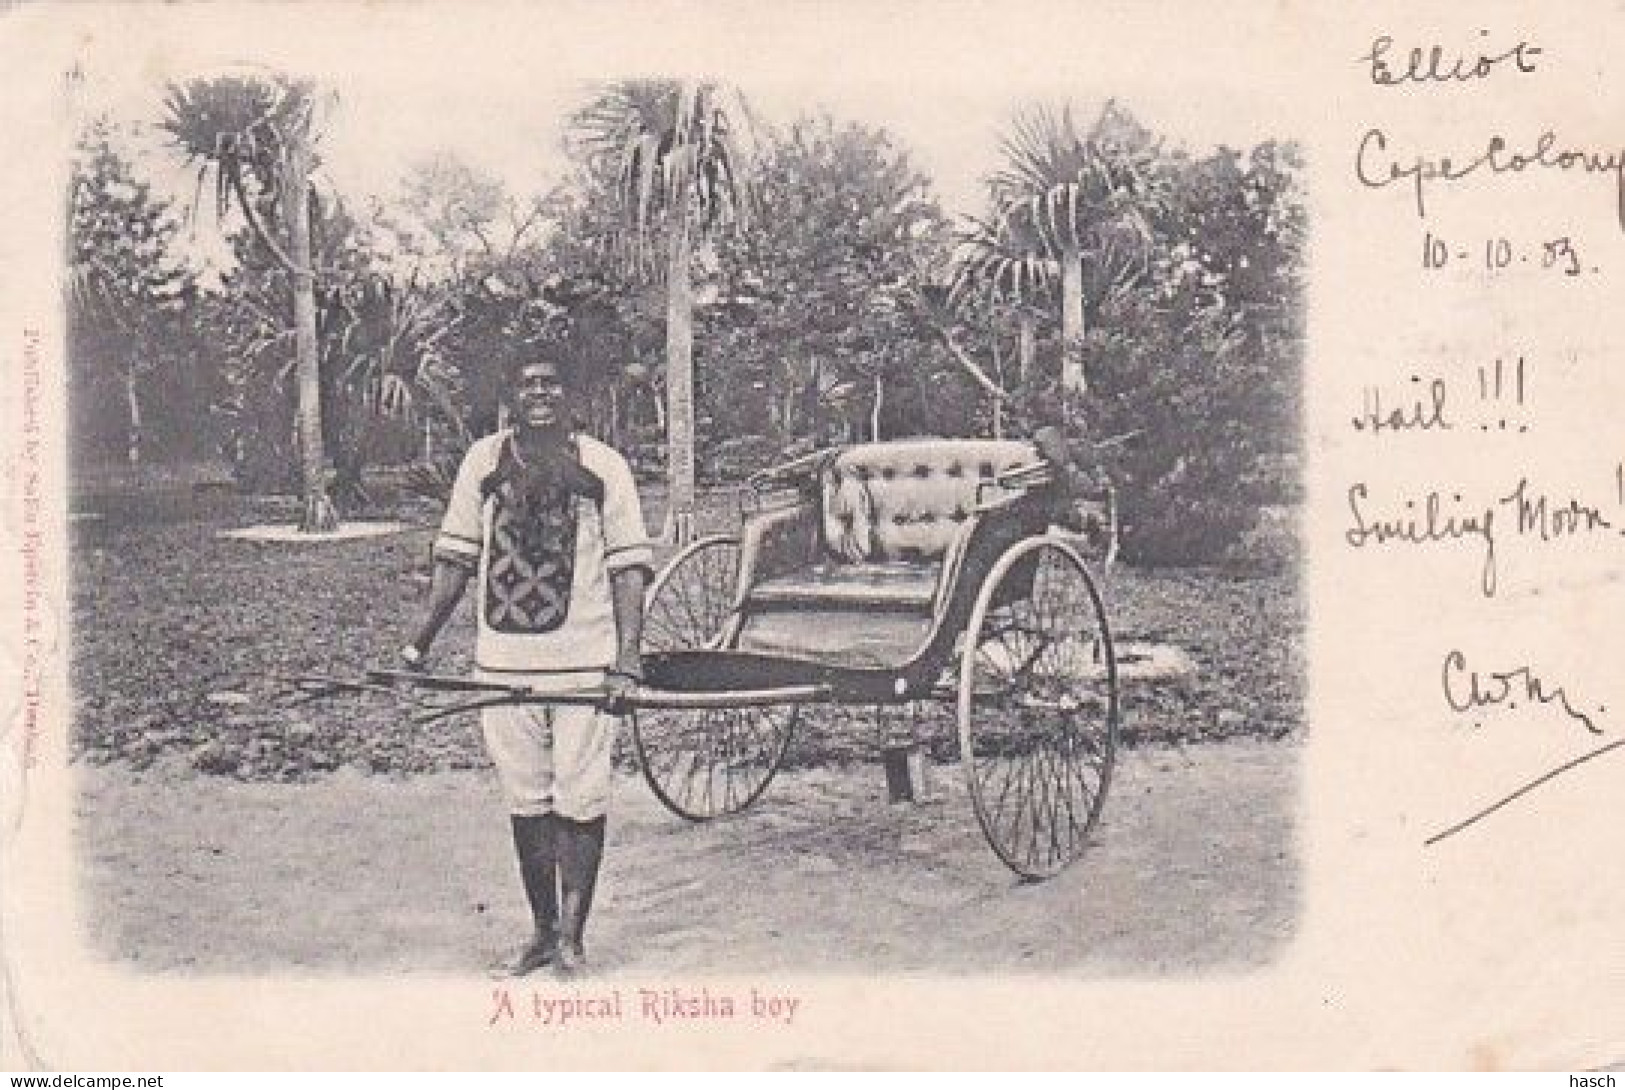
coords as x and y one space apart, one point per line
1194 868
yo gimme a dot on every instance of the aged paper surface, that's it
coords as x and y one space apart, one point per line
1463 533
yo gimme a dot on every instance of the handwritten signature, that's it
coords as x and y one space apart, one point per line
1467 690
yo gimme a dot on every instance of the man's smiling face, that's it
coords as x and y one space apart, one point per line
540 398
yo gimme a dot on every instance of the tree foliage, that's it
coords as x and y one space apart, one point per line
137 382
1200 368
810 332
674 148
382 332
257 136
1083 200
843 305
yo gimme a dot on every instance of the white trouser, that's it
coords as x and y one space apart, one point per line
552 759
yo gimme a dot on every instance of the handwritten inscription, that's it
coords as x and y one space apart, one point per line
1436 64
1414 413
1486 409
1377 165
1499 254
1433 519
1424 405
1438 517
1472 691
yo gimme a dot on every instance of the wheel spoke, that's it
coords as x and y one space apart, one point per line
691 597
704 763
710 757
1042 800
1011 776
1036 709
1060 805
680 598
731 766
1040 803
712 762
1085 789
1064 771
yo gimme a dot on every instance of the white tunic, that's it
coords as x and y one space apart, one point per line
544 607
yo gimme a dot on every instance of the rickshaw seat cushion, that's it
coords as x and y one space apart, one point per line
883 585
904 501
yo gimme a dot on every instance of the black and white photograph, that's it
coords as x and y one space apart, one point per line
646 543
876 535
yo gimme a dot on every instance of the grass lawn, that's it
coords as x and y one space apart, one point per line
179 637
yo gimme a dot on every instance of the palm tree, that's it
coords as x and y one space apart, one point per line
386 359
1087 198
1002 262
680 168
257 135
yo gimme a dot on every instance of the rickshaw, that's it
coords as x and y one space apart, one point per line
947 573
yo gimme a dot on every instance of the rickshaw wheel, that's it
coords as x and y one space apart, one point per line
703 764
1038 706
710 763
688 606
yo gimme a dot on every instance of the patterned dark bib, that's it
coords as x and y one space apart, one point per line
531 562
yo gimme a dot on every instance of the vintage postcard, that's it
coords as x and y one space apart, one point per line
813 535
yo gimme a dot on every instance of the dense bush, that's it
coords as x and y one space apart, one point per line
1202 420
1195 364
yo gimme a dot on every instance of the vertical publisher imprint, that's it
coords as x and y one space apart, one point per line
29 478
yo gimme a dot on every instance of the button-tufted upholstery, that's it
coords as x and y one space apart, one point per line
905 500
884 540
878 523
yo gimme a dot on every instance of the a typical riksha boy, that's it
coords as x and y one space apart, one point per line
547 524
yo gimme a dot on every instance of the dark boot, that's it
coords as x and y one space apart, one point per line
581 850
536 841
